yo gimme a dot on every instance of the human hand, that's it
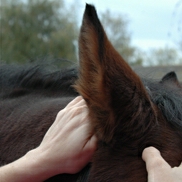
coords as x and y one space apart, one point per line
158 169
66 148
69 143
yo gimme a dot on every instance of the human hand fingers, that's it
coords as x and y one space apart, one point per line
71 110
75 102
91 146
75 140
68 118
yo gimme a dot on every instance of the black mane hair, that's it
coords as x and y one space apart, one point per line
21 78
168 100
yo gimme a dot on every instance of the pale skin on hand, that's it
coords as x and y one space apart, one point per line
158 169
67 147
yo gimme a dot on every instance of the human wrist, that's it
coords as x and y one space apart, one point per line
28 168
40 167
48 163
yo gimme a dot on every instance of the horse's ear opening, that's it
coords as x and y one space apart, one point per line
110 87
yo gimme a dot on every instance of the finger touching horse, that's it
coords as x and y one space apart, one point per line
127 113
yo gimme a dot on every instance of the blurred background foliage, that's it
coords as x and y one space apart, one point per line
35 30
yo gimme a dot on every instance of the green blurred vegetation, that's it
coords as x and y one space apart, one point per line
34 29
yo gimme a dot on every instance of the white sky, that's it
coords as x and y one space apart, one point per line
151 21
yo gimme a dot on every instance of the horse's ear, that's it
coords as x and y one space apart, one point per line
110 87
170 78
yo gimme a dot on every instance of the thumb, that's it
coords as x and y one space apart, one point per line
154 160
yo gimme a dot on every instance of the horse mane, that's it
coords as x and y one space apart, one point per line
39 77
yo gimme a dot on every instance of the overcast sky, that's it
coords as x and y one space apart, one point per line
151 21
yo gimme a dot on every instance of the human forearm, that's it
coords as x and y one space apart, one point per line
28 168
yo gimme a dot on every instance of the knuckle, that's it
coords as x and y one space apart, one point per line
60 113
75 111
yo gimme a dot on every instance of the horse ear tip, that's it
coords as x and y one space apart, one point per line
90 10
89 6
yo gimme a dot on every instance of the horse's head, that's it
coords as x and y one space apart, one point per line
127 113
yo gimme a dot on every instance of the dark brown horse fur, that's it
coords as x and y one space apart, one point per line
127 113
